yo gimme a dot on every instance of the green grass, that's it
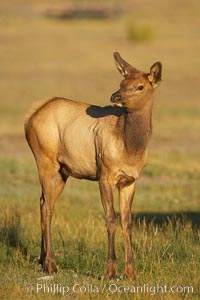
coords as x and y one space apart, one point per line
159 251
140 33
79 236
41 57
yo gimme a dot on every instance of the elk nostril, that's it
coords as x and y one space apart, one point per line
115 97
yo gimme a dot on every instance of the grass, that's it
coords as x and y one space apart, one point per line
41 57
140 33
160 248
81 252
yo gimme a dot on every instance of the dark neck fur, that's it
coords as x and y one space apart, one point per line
137 129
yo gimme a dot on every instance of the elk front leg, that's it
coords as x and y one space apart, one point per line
126 195
106 191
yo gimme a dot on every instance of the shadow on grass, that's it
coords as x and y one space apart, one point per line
168 218
12 235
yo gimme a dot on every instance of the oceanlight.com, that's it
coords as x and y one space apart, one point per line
111 288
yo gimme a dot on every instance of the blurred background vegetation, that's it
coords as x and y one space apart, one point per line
64 48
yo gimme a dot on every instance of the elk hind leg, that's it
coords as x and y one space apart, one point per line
52 185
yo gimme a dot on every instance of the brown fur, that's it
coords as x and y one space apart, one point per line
108 144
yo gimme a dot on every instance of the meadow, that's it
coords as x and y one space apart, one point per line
42 56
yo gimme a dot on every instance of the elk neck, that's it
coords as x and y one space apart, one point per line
137 129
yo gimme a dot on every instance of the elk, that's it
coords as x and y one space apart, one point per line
105 144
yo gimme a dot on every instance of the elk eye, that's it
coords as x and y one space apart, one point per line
140 87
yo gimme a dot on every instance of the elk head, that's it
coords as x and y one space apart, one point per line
137 88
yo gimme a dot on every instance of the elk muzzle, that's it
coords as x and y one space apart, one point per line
116 99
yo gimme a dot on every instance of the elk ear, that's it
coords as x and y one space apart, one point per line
123 67
155 74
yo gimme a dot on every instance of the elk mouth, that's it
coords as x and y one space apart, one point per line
118 104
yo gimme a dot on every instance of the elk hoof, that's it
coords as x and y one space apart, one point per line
129 272
112 270
50 266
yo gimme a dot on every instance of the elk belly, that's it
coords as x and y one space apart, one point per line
78 159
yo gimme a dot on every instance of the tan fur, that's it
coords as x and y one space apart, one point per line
106 144
36 106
